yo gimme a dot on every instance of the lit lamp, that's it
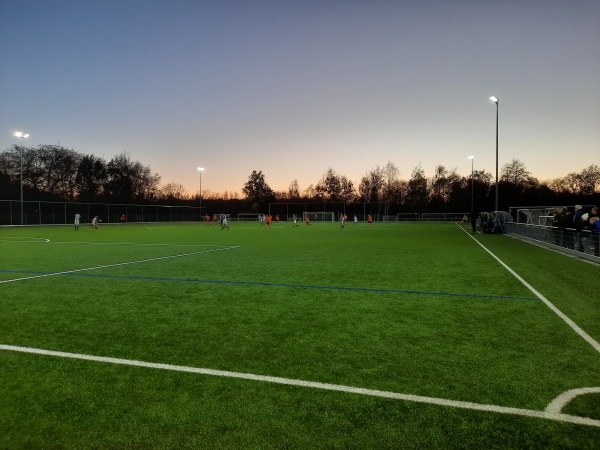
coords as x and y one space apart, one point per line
200 170
496 101
472 158
21 136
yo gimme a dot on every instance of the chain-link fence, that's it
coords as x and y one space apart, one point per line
13 212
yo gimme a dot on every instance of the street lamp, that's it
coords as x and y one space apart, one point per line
21 136
472 158
200 170
496 101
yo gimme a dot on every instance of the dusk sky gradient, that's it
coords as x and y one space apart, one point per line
293 87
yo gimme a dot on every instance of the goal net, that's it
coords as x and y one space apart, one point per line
535 216
247 217
319 216
433 217
407 217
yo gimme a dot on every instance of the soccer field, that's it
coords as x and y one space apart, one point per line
396 336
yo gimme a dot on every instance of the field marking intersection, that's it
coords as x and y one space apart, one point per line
552 411
105 266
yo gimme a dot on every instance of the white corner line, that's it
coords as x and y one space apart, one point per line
548 303
549 414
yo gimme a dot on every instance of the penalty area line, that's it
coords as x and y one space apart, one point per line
159 258
551 413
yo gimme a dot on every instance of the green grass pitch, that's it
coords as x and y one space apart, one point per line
418 310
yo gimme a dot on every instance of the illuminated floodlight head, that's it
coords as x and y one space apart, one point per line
471 157
200 169
20 134
494 99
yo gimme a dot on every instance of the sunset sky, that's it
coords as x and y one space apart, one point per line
293 87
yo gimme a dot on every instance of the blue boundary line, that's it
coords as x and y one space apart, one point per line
284 285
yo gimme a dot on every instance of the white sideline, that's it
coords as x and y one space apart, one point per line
552 412
118 264
548 303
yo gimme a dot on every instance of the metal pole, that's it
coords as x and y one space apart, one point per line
21 147
472 189
200 170
497 102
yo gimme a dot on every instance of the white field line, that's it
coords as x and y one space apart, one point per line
119 264
135 244
560 402
139 244
550 413
548 303
22 239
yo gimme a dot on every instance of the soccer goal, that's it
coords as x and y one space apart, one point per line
247 217
319 216
407 217
535 216
433 217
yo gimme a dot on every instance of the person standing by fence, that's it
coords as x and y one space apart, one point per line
594 225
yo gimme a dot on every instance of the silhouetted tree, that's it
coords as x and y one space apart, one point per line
91 176
172 191
293 190
329 187
517 174
257 191
371 185
127 180
417 189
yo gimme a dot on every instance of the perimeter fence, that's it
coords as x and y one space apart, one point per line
60 213
379 212
545 225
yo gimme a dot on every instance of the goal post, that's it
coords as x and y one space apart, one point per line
319 216
407 217
433 217
247 217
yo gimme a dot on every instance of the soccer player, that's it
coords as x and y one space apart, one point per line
370 220
295 218
307 221
77 219
342 221
224 222
269 219
355 219
94 223
207 218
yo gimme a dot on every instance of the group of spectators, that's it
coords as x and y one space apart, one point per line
577 228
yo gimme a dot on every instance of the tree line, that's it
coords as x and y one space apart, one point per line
52 172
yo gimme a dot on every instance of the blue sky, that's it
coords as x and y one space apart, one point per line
295 87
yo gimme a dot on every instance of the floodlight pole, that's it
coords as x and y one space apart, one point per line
472 158
21 136
496 101
200 170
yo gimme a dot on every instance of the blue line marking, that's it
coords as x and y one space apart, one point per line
284 285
